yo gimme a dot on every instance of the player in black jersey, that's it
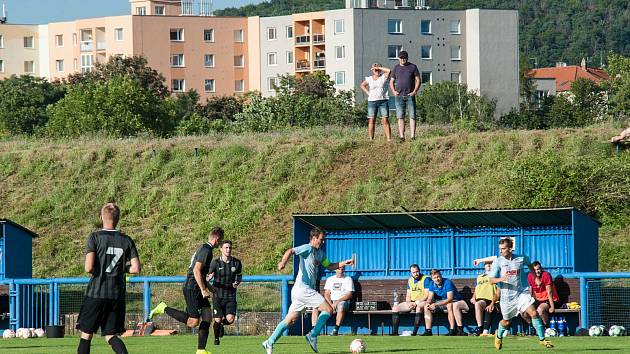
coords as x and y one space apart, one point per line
109 255
226 273
196 292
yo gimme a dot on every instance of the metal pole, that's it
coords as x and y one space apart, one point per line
147 299
583 302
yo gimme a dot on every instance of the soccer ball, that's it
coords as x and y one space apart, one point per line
32 330
604 330
23 333
8 334
595 331
357 346
39 332
616 331
551 332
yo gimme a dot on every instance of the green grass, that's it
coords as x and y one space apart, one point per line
250 184
186 344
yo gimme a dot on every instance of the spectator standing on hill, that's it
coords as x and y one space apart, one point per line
375 87
303 294
417 293
405 83
338 291
484 298
544 292
109 255
196 292
443 296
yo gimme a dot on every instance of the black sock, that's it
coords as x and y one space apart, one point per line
216 327
395 322
204 332
428 330
416 323
487 318
460 329
84 346
181 316
336 327
225 322
118 346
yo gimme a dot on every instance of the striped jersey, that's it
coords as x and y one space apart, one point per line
515 270
225 274
113 250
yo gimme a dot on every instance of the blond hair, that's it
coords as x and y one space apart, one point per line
110 212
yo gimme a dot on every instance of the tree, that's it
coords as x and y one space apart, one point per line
317 84
588 102
618 86
23 102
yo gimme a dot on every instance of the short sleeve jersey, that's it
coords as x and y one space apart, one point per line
540 291
484 289
338 287
225 274
441 292
310 260
113 249
514 269
404 77
203 255
418 288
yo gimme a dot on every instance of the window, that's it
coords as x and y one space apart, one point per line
456 77
208 60
75 64
340 78
426 77
28 42
289 57
271 33
394 26
393 50
238 35
141 11
289 30
59 40
340 26
238 61
177 34
208 35
59 65
454 27
1 41
178 85
208 85
177 60
425 26
118 33
425 52
456 53
1 66
86 62
159 10
340 52
272 82
239 85
29 67
272 58
74 39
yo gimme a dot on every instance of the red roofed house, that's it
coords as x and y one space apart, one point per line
558 80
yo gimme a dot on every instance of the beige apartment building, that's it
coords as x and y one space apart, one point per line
21 49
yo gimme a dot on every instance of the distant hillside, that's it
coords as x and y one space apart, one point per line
550 31
251 184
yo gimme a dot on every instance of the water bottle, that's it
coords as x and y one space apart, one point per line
562 326
395 297
553 324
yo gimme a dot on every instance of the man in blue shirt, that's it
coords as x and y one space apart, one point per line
303 294
404 83
443 296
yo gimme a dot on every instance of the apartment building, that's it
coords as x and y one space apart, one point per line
23 50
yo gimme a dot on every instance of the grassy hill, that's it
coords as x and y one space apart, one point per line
250 185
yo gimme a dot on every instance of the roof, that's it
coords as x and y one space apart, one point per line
565 76
16 225
443 218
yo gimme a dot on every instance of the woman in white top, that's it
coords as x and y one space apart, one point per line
375 87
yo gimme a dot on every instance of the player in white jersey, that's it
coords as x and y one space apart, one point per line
303 293
508 270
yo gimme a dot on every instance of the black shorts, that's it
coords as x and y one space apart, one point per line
223 306
194 301
107 314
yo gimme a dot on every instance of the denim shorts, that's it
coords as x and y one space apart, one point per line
381 106
408 102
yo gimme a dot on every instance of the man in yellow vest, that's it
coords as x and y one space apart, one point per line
484 298
417 286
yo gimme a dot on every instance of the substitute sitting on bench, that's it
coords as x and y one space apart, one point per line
338 291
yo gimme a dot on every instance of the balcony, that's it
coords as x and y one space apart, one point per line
319 63
302 65
86 46
100 46
318 38
303 40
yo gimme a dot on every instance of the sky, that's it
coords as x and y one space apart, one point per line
45 11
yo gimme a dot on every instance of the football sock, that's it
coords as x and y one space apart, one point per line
216 328
118 346
84 346
540 327
277 333
181 316
416 323
321 321
487 317
500 331
395 322
204 331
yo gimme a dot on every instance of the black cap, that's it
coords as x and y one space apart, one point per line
403 55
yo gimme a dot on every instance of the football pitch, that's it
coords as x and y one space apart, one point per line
187 344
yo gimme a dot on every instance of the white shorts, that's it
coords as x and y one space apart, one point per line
302 298
511 309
